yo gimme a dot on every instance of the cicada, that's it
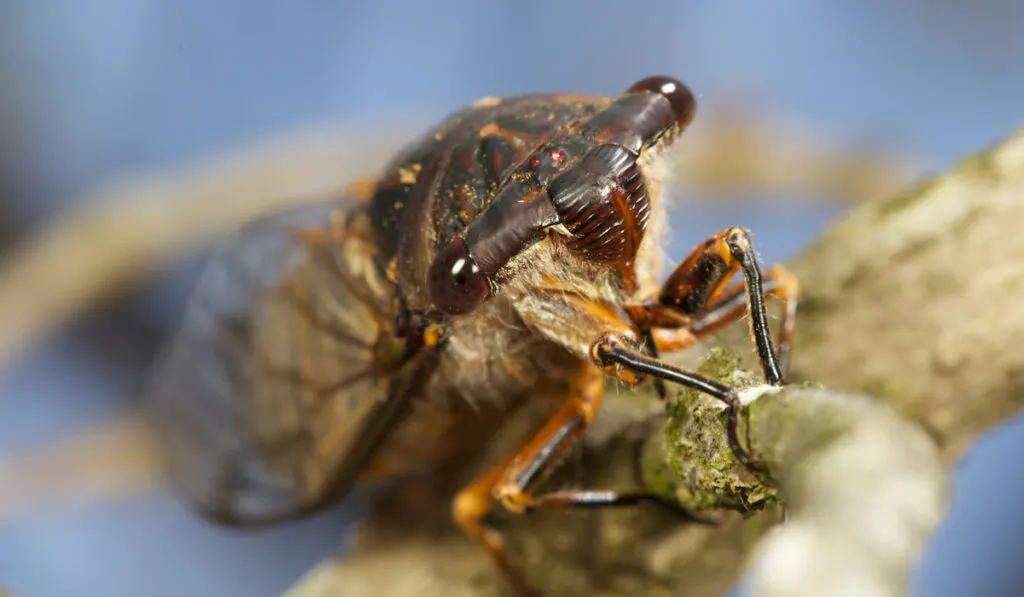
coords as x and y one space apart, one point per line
512 253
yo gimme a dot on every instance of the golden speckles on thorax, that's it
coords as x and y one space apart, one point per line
392 271
409 175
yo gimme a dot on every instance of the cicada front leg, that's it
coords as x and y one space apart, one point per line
730 306
696 301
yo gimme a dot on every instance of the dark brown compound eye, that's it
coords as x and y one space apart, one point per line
679 96
456 284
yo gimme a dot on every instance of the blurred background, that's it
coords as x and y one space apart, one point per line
96 91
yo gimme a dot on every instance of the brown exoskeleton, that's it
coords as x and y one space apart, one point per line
516 246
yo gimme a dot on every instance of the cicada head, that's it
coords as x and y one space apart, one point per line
591 182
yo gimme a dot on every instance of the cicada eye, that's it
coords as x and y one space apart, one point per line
455 281
679 96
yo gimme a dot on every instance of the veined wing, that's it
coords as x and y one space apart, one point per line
284 375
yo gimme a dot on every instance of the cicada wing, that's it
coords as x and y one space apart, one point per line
284 374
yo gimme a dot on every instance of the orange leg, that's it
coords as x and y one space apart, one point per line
729 308
697 300
510 481
779 283
470 507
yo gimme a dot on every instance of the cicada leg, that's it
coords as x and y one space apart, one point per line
673 335
510 481
629 363
697 301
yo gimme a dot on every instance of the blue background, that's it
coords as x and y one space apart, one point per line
97 89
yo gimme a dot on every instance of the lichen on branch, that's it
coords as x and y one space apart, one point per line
693 443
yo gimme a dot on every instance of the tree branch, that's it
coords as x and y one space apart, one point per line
864 490
40 480
916 298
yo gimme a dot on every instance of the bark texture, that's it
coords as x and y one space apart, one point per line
911 299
